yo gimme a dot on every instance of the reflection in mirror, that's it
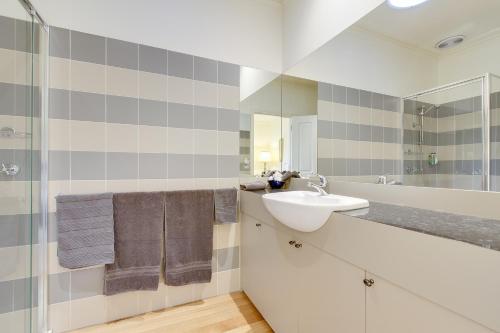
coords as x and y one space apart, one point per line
278 125
396 106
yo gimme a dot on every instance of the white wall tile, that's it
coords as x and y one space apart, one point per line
180 90
205 94
88 77
121 138
228 143
228 281
152 86
180 140
88 311
152 139
59 73
59 315
8 68
87 135
122 81
229 97
205 142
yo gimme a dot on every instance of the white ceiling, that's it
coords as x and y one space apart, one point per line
423 26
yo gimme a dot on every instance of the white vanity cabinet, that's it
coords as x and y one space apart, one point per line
315 282
391 309
297 287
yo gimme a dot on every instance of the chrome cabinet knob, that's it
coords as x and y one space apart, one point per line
298 245
368 282
258 225
292 242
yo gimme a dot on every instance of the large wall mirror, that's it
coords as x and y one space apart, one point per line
278 123
404 96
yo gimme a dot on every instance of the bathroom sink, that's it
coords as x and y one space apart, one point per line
308 211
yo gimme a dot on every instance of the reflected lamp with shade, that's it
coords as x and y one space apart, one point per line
265 156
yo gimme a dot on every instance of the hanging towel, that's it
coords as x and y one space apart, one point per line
139 220
85 230
189 218
226 205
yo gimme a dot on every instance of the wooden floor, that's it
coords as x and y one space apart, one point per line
232 313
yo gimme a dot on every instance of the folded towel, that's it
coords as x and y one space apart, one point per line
254 186
290 174
189 217
225 200
85 230
139 220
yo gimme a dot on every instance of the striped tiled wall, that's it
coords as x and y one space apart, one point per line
495 137
126 117
16 199
454 133
359 135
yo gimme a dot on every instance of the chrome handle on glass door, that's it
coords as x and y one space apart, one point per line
9 169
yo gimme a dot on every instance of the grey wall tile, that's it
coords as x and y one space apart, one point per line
228 258
180 65
352 97
228 74
339 167
87 47
365 167
152 113
388 167
59 165
6 296
121 165
8 100
448 138
52 227
377 101
87 106
58 287
180 166
180 115
121 110
59 42
228 120
325 91
365 133
122 54
21 158
86 165
391 103
205 166
25 293
205 69
8 35
24 96
152 166
352 131
365 98
339 94
339 130
59 104
152 59
205 117
325 129
325 166
15 230
87 282
25 40
228 166
377 167
377 134
390 135
352 167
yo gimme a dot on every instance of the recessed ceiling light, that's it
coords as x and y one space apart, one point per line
450 42
405 3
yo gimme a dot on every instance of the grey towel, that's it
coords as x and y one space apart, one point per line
225 200
85 230
139 220
189 218
254 186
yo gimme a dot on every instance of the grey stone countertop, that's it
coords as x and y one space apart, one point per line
468 229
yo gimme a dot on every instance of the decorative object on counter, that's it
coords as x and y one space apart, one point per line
432 159
253 186
189 219
85 234
265 156
138 220
280 179
225 201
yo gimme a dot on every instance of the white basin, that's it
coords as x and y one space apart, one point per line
308 211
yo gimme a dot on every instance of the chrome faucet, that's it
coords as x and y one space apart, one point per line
319 187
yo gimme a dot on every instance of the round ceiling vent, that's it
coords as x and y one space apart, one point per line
450 42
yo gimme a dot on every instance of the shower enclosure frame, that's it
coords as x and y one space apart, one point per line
43 70
486 138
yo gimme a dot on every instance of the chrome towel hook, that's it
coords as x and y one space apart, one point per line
9 169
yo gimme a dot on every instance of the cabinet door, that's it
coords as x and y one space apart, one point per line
268 275
391 309
332 293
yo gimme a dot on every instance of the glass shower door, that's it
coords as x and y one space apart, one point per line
19 167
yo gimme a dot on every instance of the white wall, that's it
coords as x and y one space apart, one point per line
252 79
365 60
308 24
245 32
475 59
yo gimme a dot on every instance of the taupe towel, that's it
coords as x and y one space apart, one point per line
254 186
85 230
226 205
189 218
139 220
